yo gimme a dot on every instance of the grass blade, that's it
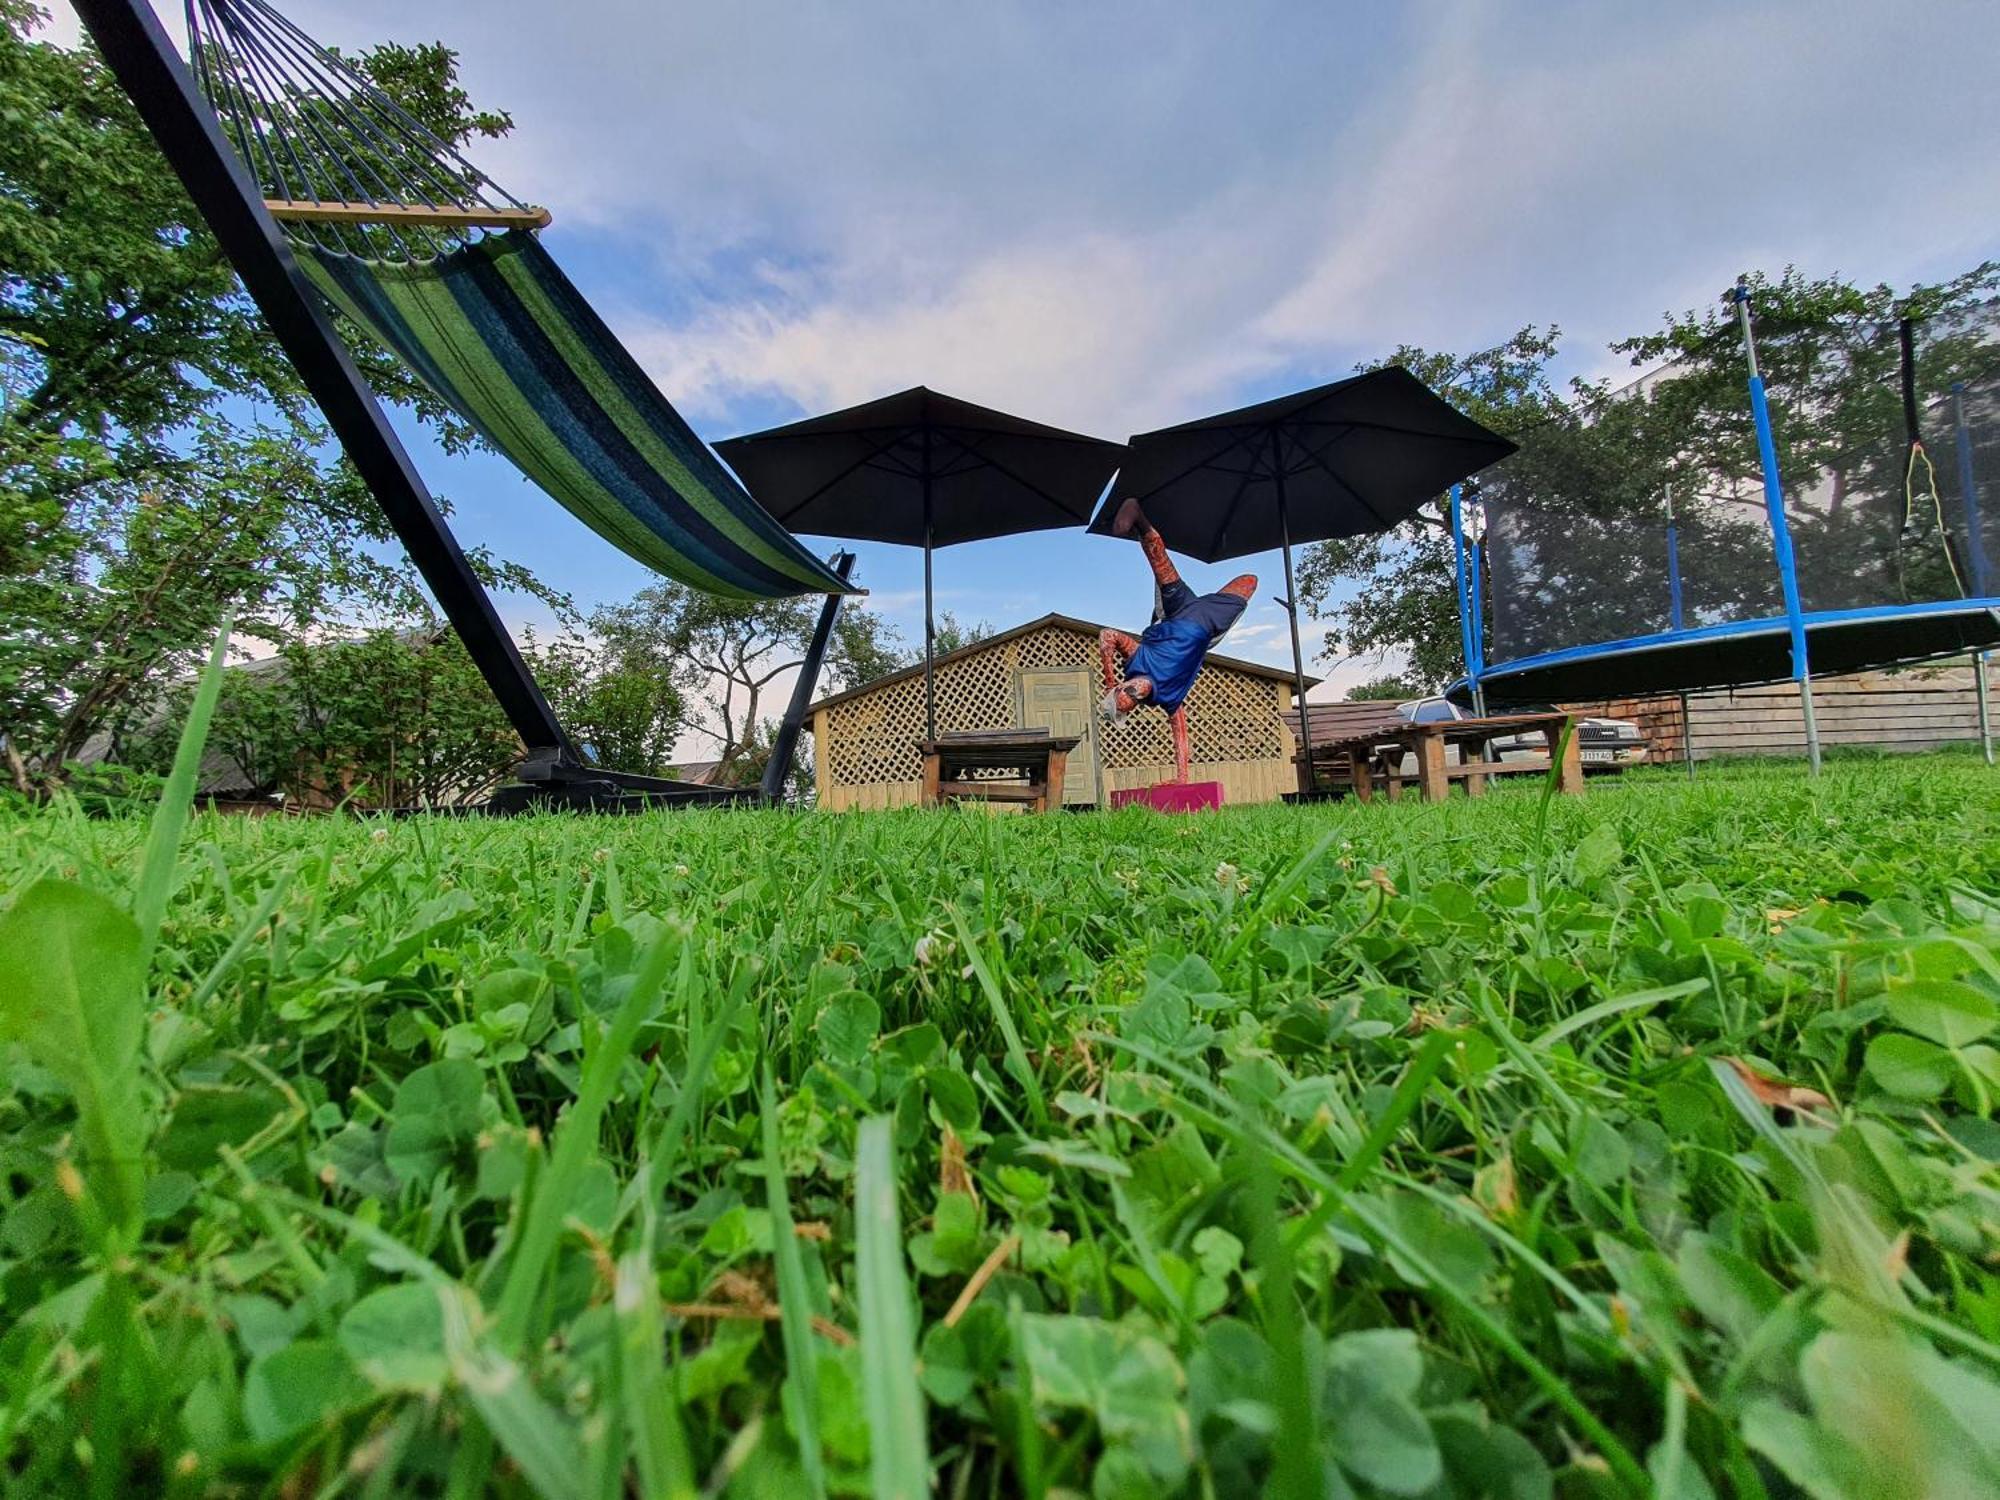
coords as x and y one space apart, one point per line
663 1151
1028 1476
1017 1055
1257 922
1298 1467
794 1304
1615 1006
1551 784
899 1460
170 818
542 1443
575 1141
240 944
1409 1089
652 1416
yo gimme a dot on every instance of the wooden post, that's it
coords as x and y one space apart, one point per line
1431 778
1052 779
933 767
1359 773
1570 777
446 216
822 760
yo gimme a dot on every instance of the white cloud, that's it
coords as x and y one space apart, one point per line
1074 334
1499 168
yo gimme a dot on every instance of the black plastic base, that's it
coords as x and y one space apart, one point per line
611 792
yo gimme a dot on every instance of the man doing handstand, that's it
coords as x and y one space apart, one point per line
1162 664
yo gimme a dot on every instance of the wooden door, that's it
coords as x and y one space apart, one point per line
1062 702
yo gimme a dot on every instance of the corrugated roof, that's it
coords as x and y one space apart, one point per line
1060 622
1336 721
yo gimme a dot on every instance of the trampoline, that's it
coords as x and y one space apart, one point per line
1674 537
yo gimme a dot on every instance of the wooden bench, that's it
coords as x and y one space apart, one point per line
1038 759
1377 756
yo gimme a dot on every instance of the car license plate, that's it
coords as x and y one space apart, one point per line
1599 755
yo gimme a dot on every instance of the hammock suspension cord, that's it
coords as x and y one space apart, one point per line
327 144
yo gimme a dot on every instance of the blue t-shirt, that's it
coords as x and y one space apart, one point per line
1170 653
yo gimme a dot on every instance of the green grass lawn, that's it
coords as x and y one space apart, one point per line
1639 1142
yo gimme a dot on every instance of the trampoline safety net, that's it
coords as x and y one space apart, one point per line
1628 544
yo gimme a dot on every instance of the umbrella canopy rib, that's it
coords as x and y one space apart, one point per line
867 460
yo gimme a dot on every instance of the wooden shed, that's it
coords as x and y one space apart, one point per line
1046 672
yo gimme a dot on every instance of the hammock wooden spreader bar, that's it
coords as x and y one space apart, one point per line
312 211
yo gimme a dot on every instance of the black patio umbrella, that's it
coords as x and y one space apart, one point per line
1346 459
923 469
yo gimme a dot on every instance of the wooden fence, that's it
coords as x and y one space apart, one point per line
1913 708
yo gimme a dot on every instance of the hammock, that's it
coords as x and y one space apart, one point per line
399 233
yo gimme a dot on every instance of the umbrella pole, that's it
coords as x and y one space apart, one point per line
1308 773
930 616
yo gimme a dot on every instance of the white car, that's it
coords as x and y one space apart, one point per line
1607 744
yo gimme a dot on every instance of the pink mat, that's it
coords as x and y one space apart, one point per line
1168 796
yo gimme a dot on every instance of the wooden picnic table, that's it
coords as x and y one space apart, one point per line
1038 758
1378 753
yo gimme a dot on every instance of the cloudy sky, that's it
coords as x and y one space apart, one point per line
1111 214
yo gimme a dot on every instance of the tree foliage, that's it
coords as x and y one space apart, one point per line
386 719
1394 592
618 698
1393 687
952 634
131 312
727 655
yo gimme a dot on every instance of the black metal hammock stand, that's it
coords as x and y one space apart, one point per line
327 195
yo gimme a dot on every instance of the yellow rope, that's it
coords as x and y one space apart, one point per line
1918 451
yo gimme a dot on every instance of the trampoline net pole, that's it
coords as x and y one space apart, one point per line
1968 493
1981 662
1474 561
1781 531
1464 599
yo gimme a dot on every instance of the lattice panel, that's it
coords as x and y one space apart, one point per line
873 738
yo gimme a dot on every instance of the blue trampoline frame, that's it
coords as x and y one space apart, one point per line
1810 620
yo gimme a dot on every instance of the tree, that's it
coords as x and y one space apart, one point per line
726 654
618 699
953 634
142 500
748 769
1394 687
385 719
133 314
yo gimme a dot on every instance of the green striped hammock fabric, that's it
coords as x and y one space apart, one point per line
502 336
